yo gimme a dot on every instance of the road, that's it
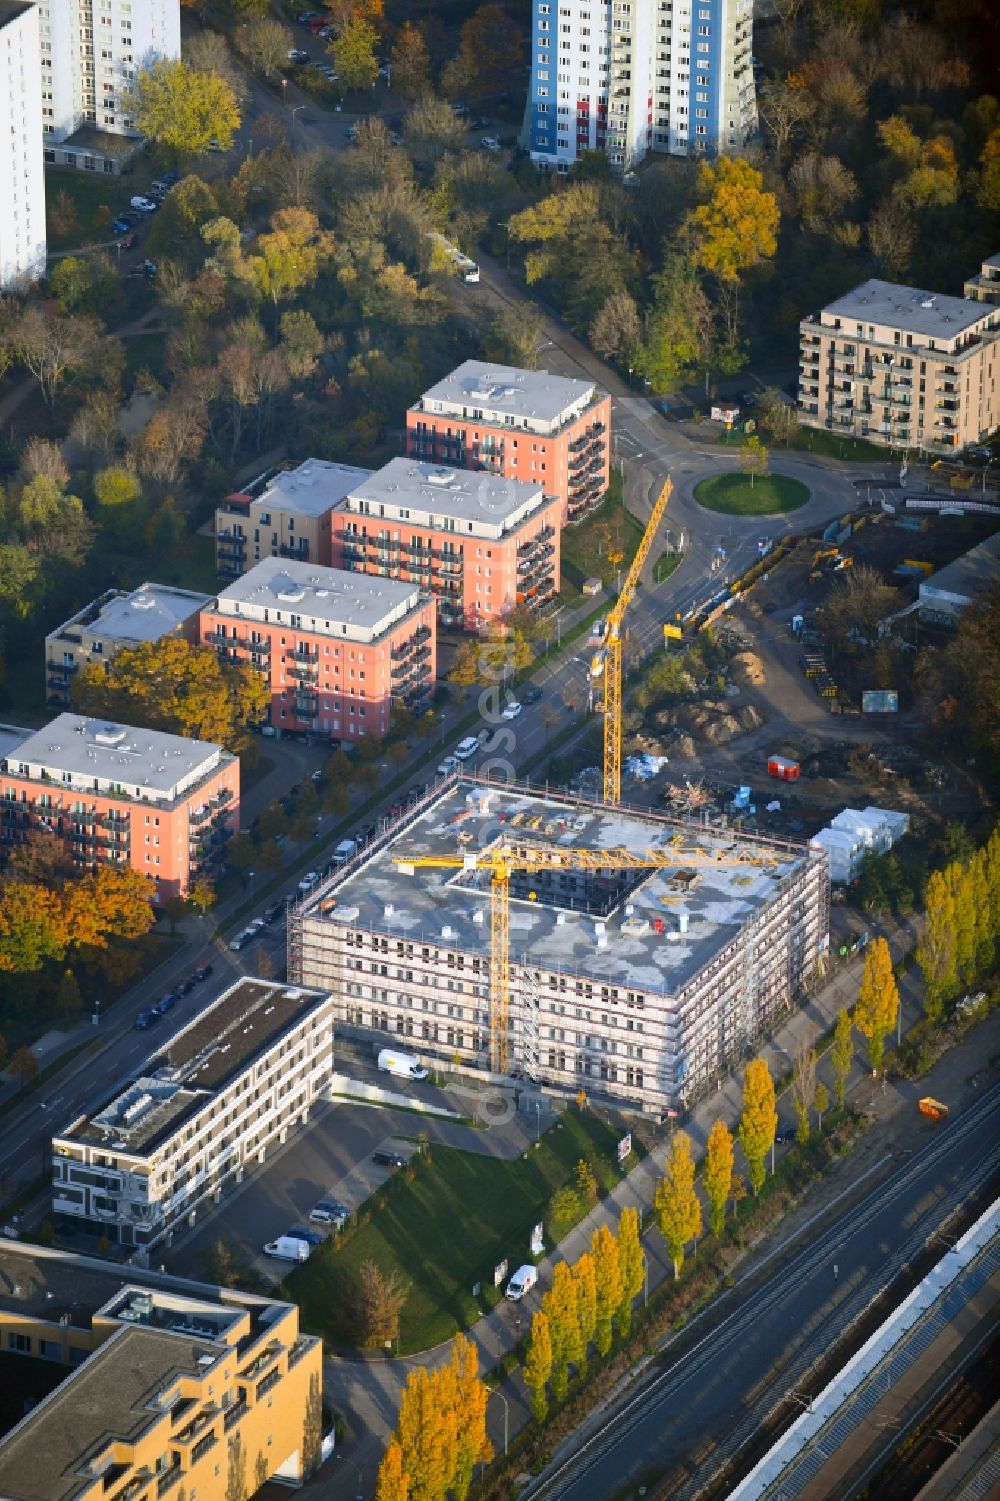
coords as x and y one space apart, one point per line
718 1391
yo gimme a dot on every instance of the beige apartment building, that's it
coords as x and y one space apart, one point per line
116 620
985 285
903 367
290 518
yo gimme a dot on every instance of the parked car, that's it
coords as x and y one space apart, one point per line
302 1232
272 911
306 15
309 880
145 1019
532 696
511 709
121 226
130 242
330 1212
166 1003
490 143
447 766
391 1160
186 986
144 205
367 834
415 793
298 57
466 748
241 940
783 1137
202 973
171 179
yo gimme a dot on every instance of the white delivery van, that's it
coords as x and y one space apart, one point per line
346 850
523 1280
404 1065
467 747
288 1248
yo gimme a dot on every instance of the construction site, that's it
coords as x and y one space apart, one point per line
566 941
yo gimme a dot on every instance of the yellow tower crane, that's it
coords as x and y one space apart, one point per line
609 660
506 858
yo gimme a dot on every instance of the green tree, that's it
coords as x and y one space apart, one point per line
963 897
71 282
182 109
718 1173
759 1120
677 327
301 342
608 1285
936 948
878 1001
821 1102
632 1261
676 1203
586 1181
353 54
538 1365
68 1000
753 459
736 225
803 1086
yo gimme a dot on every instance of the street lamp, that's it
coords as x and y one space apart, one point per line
295 110
496 1392
361 1483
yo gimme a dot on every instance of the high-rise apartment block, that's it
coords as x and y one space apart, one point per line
289 518
123 796
336 648
521 424
479 543
22 184
903 367
632 76
91 51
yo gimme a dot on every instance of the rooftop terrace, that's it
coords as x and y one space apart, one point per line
654 930
500 391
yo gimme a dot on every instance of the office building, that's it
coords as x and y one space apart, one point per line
91 52
519 424
118 619
163 804
337 649
903 367
22 180
289 518
628 77
203 1109
640 986
160 1386
480 544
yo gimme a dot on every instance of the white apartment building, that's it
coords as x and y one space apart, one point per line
91 51
22 184
201 1110
633 76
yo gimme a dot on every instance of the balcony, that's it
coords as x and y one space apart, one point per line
304 674
234 1414
167 1479
308 655
301 551
258 646
228 544
269 1382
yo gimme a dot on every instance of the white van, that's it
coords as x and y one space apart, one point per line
404 1065
467 747
523 1280
346 850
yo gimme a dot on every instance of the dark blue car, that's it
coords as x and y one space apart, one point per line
121 226
165 1003
145 1019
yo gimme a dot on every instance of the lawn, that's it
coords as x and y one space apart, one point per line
95 199
446 1229
611 529
665 565
821 441
733 494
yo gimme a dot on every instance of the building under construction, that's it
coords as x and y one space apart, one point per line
641 984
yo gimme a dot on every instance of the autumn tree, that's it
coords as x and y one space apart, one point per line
677 327
116 486
841 1054
393 1483
586 1181
608 1285
821 1102
422 1432
353 53
803 1085
754 459
964 903
183 109
289 256
617 328
759 1119
564 1326
378 1299
735 226
572 246
410 62
51 345
441 1432
718 1173
301 342
676 1203
264 43
32 927
431 128
172 685
490 45
632 1261
23 1066
937 946
878 1001
538 1365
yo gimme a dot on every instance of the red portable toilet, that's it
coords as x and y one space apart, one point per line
783 768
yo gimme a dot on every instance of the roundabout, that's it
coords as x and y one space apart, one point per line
733 495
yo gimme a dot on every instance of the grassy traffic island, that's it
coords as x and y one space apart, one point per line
733 495
443 1226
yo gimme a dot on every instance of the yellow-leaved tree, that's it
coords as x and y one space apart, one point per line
736 224
759 1120
936 948
585 1277
393 1483
608 1285
841 1054
183 109
441 1432
632 1261
538 1365
717 1175
878 1001
564 1326
676 1203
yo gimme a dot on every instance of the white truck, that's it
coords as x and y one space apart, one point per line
523 1280
403 1065
288 1248
443 250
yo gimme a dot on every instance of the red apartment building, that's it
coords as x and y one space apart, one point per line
336 649
478 543
522 424
161 803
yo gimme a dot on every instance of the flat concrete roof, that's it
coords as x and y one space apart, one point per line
193 1065
504 390
698 915
111 1396
11 737
145 614
968 577
429 491
931 314
355 605
311 489
114 755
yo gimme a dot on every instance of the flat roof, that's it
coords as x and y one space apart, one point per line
11 737
193 1065
431 491
312 488
111 1396
357 605
508 391
144 614
114 755
968 577
930 314
696 917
